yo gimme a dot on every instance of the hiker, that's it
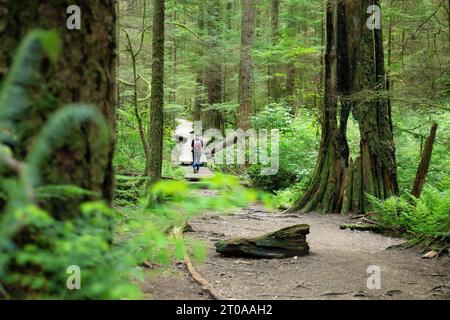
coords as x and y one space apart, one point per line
197 148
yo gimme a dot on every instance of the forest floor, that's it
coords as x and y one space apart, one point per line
336 267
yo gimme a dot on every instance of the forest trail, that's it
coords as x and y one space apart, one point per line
336 267
184 135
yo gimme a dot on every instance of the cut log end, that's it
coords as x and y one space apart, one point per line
284 243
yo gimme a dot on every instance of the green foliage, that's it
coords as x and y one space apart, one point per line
411 130
423 218
36 249
274 116
37 269
298 142
14 98
284 198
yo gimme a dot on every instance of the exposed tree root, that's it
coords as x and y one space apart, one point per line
206 286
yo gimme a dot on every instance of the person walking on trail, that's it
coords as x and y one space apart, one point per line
197 149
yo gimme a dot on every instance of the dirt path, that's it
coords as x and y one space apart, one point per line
336 267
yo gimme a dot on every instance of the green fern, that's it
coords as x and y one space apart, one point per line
424 220
24 75
58 130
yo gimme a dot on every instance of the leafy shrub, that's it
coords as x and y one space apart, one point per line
297 148
274 116
284 198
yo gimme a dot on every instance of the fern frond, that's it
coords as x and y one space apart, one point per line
57 132
24 75
62 192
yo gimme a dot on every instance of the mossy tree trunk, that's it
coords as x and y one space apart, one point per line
371 108
156 130
84 73
354 82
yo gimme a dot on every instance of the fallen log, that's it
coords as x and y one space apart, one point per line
361 227
287 242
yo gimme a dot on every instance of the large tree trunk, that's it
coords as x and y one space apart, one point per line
84 73
372 108
156 130
354 78
323 191
422 170
245 89
212 118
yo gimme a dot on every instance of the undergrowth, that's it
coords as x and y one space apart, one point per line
38 249
424 222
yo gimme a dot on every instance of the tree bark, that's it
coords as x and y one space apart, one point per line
372 109
212 118
198 98
85 72
156 131
274 82
199 88
291 72
424 165
245 89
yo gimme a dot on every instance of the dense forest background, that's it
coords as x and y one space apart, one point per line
203 46
364 117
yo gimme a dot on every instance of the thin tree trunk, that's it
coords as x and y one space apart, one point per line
274 83
198 98
133 55
245 89
85 72
212 117
290 67
156 132
173 93
448 19
424 165
199 92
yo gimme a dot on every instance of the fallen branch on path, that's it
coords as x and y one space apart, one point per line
206 286
151 265
361 227
280 295
440 286
362 216
334 293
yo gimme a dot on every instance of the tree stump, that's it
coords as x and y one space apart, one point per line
287 242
